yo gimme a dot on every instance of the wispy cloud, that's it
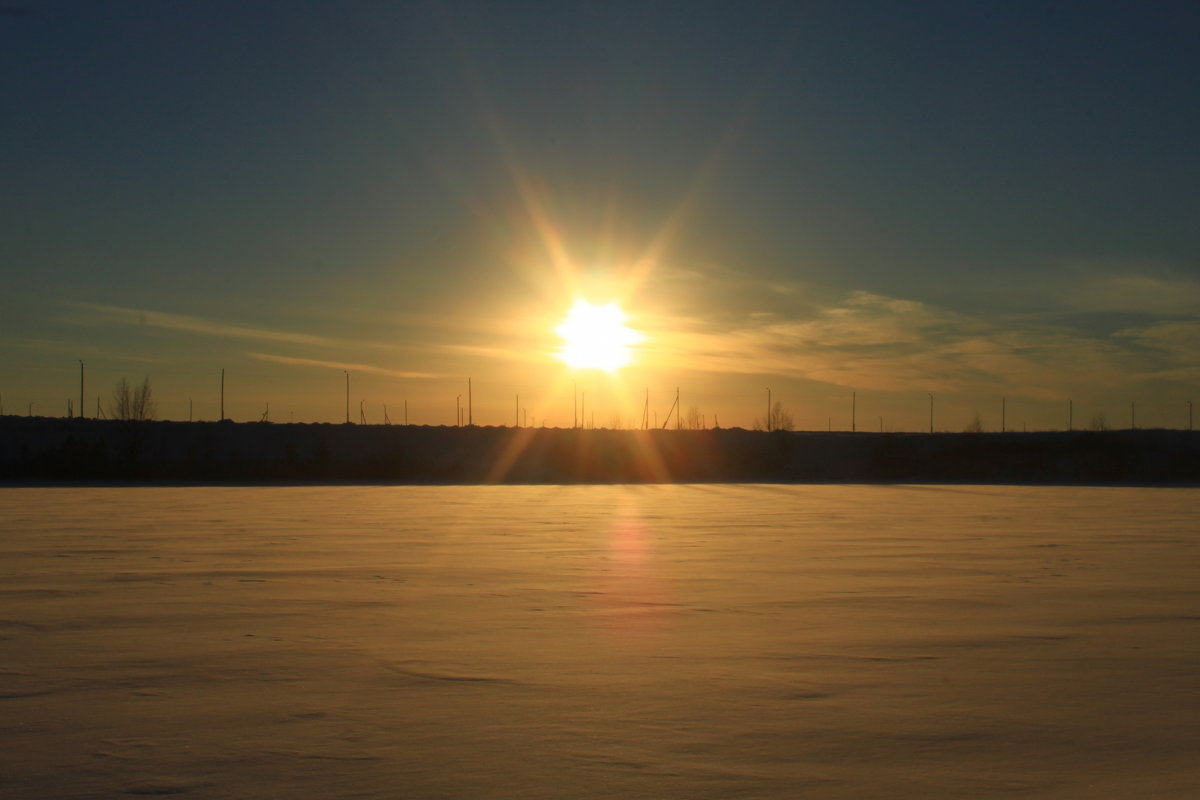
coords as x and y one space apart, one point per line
342 365
96 314
870 341
1131 290
496 353
101 314
854 339
1171 350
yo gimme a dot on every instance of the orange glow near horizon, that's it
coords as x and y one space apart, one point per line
595 337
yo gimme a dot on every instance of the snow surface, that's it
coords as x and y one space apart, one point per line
666 641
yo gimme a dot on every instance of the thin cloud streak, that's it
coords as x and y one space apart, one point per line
501 353
206 326
342 365
200 325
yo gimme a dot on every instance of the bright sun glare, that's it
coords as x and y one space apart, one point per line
595 337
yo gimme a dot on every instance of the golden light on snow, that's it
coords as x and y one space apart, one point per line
596 337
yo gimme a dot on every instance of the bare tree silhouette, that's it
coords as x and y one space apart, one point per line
133 404
781 420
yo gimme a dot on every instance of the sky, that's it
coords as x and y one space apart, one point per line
854 206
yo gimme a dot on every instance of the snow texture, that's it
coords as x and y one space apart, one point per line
651 641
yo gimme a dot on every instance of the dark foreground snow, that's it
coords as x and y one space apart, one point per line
600 642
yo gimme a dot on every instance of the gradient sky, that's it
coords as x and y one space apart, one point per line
974 200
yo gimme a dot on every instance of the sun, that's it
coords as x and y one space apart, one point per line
595 337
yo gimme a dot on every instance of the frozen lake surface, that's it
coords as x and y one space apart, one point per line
600 642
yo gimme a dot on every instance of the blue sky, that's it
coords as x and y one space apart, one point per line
972 200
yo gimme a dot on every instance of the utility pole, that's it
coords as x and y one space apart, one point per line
362 417
81 388
406 411
767 421
575 405
470 405
347 395
222 394
458 411
930 412
674 408
517 412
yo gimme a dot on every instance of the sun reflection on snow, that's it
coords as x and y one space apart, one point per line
633 598
629 545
